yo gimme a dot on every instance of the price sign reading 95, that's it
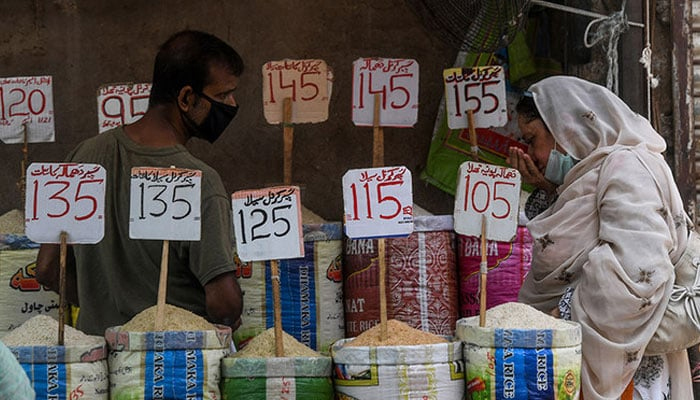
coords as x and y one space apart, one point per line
65 197
490 191
481 90
395 80
267 223
26 101
378 202
306 82
165 203
121 104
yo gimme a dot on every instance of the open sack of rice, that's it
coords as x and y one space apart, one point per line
255 373
78 369
521 353
409 363
181 361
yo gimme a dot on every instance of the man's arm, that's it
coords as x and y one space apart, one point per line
48 271
224 300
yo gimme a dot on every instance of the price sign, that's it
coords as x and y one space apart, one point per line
490 191
165 203
267 223
121 104
378 202
26 101
481 90
66 197
306 82
396 82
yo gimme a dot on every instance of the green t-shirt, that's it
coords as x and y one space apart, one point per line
118 277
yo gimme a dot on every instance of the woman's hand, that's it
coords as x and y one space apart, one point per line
521 161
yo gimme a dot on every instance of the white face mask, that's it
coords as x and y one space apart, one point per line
558 165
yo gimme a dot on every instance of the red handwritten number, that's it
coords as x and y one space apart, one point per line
381 91
57 196
491 95
30 102
355 202
292 86
272 89
2 104
309 85
393 87
120 112
470 195
35 200
503 199
381 199
19 102
91 199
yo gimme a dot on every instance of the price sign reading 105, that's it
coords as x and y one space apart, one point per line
481 90
378 202
267 223
65 197
489 191
396 83
165 203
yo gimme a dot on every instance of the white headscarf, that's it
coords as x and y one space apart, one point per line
612 234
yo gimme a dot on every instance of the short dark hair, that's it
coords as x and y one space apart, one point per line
184 59
527 108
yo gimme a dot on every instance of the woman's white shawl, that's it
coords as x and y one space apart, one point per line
611 234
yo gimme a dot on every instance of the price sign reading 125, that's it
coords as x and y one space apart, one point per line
378 202
481 90
165 203
490 191
267 223
66 197
305 82
395 81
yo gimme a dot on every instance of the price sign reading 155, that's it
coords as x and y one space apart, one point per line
267 223
490 191
66 197
165 203
481 90
395 80
378 202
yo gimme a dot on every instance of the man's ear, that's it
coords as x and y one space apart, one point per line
185 98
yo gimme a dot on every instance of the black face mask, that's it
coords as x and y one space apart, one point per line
220 116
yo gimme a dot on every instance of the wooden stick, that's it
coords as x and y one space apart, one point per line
483 269
472 135
25 160
162 286
288 140
378 143
62 286
277 303
382 289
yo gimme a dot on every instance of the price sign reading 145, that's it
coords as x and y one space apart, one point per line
305 82
65 197
378 202
481 90
490 191
267 223
165 203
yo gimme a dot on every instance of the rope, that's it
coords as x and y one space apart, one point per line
645 60
611 27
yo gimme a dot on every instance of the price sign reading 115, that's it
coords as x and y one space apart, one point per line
267 223
490 191
378 202
66 197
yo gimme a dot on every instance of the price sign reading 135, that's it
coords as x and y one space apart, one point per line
490 191
481 90
267 223
378 202
165 203
65 197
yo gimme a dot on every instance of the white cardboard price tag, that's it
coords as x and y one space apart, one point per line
165 203
267 223
480 89
491 191
306 82
66 197
121 104
378 202
26 101
396 82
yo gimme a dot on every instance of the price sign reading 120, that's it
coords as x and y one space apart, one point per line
490 191
481 90
66 197
305 82
378 202
26 101
395 80
267 223
165 203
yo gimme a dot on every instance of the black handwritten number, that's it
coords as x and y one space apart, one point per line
176 200
491 95
381 199
255 233
276 219
154 198
57 196
253 236
243 239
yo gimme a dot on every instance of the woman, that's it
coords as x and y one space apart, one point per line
604 251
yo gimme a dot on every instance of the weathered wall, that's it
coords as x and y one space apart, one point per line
85 44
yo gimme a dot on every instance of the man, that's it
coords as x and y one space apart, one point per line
194 78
